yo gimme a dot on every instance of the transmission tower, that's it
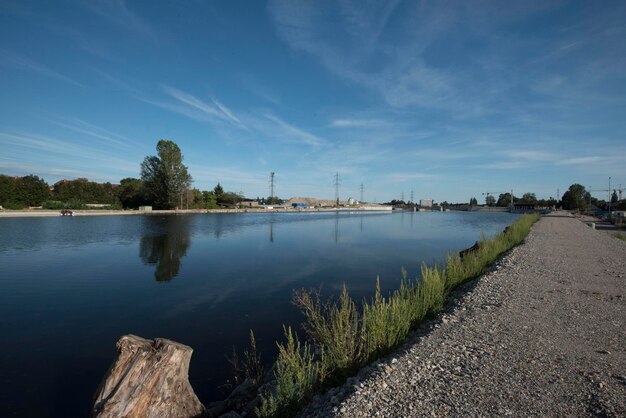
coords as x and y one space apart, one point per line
362 189
272 183
336 183
402 197
412 196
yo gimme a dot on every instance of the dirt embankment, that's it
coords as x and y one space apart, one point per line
542 334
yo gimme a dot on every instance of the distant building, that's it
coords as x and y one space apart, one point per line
249 203
426 203
351 201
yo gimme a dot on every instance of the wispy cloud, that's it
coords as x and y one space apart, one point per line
80 126
502 165
196 108
288 132
408 176
12 60
50 148
117 13
583 160
356 123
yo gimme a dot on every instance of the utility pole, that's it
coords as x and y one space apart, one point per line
362 189
336 182
609 198
272 182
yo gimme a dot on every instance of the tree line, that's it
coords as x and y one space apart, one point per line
575 198
164 183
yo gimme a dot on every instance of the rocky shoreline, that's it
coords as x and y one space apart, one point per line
542 333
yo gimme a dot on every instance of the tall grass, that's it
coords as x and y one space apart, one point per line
345 338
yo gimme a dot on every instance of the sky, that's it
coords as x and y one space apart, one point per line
445 100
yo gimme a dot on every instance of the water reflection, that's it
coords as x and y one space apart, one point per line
167 241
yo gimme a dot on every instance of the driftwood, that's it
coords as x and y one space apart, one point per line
149 378
469 250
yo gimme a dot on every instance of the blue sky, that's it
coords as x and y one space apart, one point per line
448 99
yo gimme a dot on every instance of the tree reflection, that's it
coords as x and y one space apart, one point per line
166 246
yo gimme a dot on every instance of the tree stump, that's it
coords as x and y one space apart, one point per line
149 378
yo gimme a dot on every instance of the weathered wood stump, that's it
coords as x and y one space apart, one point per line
149 378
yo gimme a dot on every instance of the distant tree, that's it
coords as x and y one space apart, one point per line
504 200
165 177
490 200
218 190
32 191
576 197
473 201
273 200
614 198
130 193
529 198
84 191
7 190
209 200
229 199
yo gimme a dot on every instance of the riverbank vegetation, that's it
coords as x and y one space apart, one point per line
164 184
342 338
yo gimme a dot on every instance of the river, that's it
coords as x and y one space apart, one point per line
70 287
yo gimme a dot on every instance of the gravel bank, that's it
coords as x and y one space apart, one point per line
543 333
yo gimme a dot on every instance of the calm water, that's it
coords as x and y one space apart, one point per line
70 287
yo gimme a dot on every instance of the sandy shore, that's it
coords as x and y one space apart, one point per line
48 213
542 334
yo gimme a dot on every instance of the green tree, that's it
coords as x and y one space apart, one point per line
130 193
165 177
229 199
490 200
529 198
473 201
85 191
7 190
31 190
576 197
504 200
614 198
218 191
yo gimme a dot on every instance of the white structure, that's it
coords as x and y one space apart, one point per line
426 203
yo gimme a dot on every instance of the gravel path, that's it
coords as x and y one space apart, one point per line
542 334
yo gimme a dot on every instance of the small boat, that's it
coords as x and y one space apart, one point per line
67 212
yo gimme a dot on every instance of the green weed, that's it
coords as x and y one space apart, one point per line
345 338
